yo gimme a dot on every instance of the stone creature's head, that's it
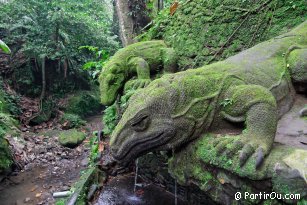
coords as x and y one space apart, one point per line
147 124
111 81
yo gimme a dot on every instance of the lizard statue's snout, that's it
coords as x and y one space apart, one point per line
141 136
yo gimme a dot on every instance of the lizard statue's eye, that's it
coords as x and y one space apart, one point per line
141 123
111 79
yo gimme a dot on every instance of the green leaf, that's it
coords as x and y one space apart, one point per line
89 65
4 47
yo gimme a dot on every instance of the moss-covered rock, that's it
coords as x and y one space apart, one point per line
202 31
84 103
7 126
71 138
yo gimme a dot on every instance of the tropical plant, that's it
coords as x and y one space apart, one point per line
4 47
54 30
100 58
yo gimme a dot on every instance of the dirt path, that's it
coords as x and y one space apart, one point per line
48 167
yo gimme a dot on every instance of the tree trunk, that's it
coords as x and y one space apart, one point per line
43 79
160 5
132 17
65 68
125 22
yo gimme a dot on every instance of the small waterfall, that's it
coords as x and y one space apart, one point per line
136 174
176 199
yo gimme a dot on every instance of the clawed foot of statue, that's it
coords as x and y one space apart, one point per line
245 147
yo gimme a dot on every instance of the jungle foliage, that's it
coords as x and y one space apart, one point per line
56 29
49 34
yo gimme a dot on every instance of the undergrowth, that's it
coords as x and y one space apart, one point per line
72 120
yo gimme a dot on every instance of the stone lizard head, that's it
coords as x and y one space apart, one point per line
147 123
111 82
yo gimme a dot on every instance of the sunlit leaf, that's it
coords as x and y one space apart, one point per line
4 47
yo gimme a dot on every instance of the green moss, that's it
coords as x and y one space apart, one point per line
296 61
3 104
71 138
203 31
84 103
81 187
5 155
7 126
185 166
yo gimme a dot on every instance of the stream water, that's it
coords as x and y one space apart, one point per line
120 191
130 189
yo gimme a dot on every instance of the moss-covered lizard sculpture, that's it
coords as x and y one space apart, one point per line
254 87
141 60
